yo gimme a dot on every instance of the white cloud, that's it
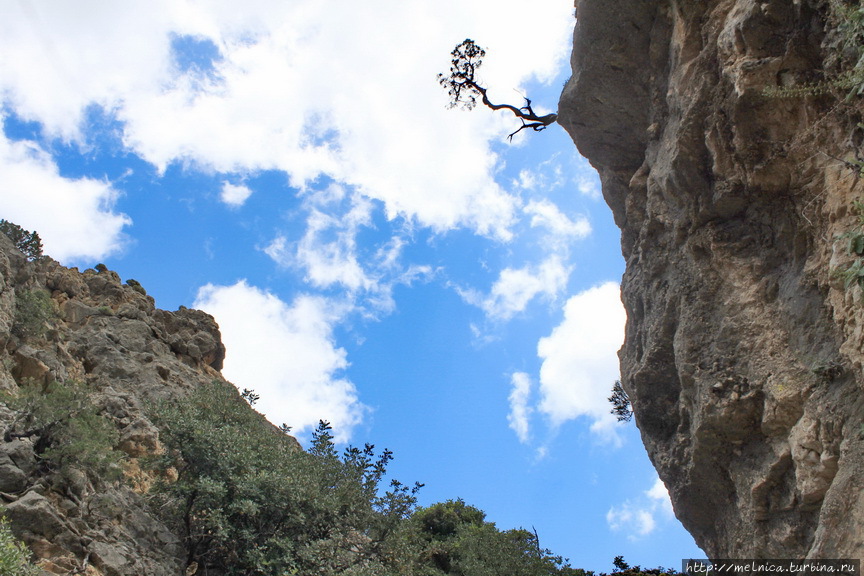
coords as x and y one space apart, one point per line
547 215
234 195
637 521
640 518
660 496
75 218
580 362
520 408
329 255
297 87
515 288
286 353
587 180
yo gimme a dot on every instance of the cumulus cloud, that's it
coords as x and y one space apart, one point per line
287 354
640 517
329 255
587 181
75 217
545 214
292 86
327 252
659 495
520 407
515 288
580 361
637 521
235 195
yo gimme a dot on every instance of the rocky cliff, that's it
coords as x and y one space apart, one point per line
62 327
743 351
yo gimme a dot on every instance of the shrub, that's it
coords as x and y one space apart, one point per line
67 429
14 556
455 539
34 310
854 273
247 500
135 285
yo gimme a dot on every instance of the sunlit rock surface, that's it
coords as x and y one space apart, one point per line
743 353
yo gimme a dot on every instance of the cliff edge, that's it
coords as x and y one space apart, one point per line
743 350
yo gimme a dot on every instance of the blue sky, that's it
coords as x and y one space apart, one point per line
372 258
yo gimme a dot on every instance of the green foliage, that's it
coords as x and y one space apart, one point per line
247 500
135 285
622 568
854 273
27 242
66 427
455 539
34 310
848 20
14 556
620 403
845 44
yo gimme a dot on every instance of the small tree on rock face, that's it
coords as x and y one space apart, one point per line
464 90
27 242
620 403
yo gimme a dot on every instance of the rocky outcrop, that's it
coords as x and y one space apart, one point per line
61 325
743 352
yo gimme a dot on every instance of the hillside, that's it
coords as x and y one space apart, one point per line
743 352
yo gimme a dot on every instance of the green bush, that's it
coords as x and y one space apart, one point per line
66 427
853 274
455 539
248 500
135 285
14 556
34 311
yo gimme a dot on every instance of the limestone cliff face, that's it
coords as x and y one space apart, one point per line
743 354
109 337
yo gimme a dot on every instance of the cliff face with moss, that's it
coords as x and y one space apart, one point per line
743 351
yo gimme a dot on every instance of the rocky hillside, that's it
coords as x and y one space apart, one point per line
743 353
66 332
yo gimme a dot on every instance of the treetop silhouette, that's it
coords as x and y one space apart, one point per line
464 89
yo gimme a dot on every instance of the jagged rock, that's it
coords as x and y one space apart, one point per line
743 353
140 438
28 367
34 515
109 337
12 478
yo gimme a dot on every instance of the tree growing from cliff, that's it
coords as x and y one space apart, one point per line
620 403
27 242
464 88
